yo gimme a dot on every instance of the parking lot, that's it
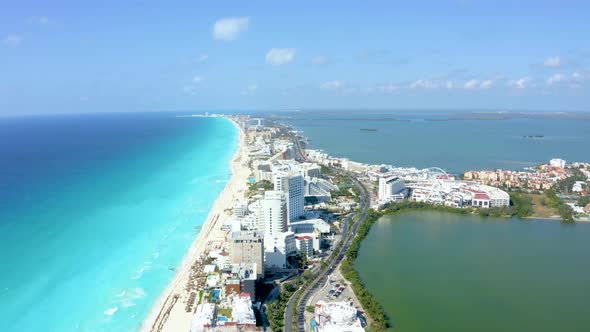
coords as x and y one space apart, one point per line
336 289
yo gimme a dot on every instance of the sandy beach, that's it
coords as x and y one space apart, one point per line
169 313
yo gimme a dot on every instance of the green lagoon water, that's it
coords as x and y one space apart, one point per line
444 272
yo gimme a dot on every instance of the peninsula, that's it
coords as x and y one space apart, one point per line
278 245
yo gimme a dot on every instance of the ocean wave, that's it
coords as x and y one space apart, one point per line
140 272
111 311
128 303
156 255
139 292
126 299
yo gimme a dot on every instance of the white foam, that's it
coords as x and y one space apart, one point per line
140 272
139 293
127 303
121 294
156 255
111 311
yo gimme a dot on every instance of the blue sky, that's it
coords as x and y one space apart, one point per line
112 56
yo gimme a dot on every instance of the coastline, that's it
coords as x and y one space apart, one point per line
168 313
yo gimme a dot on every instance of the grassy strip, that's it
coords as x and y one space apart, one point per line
276 309
379 319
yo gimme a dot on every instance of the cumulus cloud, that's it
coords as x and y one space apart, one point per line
573 80
332 85
521 83
12 40
556 78
471 84
230 28
486 84
280 56
320 60
425 84
198 79
553 61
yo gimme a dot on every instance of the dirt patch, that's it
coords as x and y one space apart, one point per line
540 209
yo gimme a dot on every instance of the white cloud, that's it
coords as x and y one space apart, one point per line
486 84
556 78
12 40
449 85
581 75
553 61
198 79
471 84
521 83
426 84
332 85
320 60
280 56
202 58
574 80
230 28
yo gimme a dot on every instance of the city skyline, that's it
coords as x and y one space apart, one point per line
67 57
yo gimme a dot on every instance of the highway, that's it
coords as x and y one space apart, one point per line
321 276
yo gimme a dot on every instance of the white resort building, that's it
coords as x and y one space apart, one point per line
336 317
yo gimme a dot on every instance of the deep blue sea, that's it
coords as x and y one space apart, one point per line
97 210
453 141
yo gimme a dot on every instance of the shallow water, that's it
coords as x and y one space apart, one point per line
96 211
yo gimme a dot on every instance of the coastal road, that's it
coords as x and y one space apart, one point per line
320 278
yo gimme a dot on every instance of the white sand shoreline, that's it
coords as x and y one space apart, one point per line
168 312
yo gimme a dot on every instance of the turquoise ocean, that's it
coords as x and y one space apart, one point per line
97 211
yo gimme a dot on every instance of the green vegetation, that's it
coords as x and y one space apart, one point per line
379 320
276 309
565 186
325 170
298 261
522 204
342 190
200 297
225 312
310 308
584 200
263 184
565 211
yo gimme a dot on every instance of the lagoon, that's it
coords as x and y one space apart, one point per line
434 271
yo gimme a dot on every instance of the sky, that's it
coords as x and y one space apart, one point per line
116 56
